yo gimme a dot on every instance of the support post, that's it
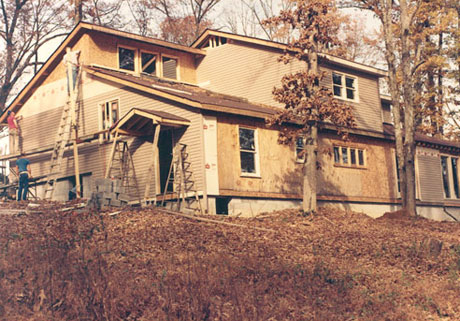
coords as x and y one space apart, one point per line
153 168
112 154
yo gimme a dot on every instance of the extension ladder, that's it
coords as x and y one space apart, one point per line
63 138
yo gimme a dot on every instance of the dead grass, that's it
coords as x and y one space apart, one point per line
148 265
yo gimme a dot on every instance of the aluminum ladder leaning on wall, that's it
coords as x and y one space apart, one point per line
68 125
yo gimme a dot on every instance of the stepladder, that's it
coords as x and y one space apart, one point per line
121 167
183 183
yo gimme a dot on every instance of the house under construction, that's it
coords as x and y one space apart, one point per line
163 122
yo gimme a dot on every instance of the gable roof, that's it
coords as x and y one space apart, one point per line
281 46
187 94
141 122
69 41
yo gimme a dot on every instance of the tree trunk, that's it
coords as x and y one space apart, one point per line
78 11
394 91
309 171
409 111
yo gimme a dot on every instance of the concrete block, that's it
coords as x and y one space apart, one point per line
123 197
104 202
109 195
100 181
114 202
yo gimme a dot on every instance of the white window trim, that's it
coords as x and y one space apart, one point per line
297 158
349 165
343 92
418 191
256 152
177 66
101 127
157 62
450 176
136 59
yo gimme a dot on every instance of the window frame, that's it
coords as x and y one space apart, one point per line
157 62
177 66
454 193
106 137
136 58
343 87
300 160
255 152
348 164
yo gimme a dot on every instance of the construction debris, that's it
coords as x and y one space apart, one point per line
109 193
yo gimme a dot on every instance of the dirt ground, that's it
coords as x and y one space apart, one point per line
61 262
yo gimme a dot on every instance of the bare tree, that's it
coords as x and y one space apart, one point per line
247 18
182 21
26 27
101 12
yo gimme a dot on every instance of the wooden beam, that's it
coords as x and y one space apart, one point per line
112 153
153 168
129 132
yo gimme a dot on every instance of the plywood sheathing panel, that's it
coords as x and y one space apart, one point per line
280 174
376 180
104 52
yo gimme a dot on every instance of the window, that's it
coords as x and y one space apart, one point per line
344 86
299 150
109 115
449 167
169 67
149 63
349 156
126 58
135 60
248 151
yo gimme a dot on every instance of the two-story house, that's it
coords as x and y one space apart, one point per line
214 97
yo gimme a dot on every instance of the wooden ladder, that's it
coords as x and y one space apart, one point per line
181 176
121 167
63 137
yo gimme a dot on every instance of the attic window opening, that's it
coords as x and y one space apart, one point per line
126 58
169 65
149 63
215 41
344 86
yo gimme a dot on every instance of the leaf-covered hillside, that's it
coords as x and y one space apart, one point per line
143 264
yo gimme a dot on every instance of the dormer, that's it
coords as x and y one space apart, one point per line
138 55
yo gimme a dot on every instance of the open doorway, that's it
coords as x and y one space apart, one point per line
165 149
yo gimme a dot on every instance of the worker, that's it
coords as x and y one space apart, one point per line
24 172
13 132
72 58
